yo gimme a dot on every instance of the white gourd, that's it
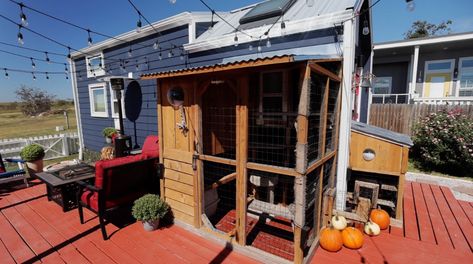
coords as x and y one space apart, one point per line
372 229
339 222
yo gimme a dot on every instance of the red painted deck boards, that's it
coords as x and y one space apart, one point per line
410 219
440 230
426 232
467 209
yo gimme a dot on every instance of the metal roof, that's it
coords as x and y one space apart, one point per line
382 133
322 14
423 41
235 64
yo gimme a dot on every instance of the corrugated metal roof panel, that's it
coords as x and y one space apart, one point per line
298 11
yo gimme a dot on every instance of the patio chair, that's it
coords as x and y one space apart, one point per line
15 175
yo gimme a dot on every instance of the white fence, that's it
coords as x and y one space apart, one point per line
55 146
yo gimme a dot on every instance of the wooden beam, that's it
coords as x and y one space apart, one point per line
199 173
298 246
319 69
160 134
224 180
321 161
273 169
217 159
302 121
242 159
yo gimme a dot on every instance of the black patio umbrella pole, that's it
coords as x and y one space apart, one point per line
118 93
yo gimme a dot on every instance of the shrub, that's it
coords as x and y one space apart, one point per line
149 207
32 152
444 142
108 132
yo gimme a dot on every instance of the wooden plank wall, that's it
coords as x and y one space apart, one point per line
401 117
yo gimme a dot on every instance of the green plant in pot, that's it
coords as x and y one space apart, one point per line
109 133
149 209
33 155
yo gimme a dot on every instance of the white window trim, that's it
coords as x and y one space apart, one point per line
460 72
390 78
99 72
112 100
427 71
92 87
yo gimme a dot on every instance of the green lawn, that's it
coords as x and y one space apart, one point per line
14 124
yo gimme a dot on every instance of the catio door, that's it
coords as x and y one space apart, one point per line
218 105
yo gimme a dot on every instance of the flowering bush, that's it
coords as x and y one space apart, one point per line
443 142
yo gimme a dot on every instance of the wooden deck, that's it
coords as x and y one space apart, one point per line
33 230
438 229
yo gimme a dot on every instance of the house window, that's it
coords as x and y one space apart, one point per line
382 85
466 77
95 65
114 103
98 100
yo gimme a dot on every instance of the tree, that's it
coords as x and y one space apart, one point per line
34 100
422 28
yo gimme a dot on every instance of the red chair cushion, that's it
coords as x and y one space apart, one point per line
90 199
102 165
2 169
151 147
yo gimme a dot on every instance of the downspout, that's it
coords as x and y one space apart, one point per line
345 114
75 93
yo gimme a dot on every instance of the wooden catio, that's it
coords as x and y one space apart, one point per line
249 147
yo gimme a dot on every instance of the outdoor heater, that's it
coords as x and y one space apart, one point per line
122 142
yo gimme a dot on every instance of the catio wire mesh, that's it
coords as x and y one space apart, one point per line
317 89
332 112
312 209
218 126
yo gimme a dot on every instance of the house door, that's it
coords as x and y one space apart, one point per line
437 85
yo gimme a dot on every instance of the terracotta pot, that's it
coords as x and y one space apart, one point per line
151 225
35 166
108 140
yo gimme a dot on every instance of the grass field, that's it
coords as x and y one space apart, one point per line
14 124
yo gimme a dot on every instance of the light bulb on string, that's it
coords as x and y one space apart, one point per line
170 52
138 25
235 39
137 66
156 45
47 76
160 55
250 47
211 27
67 77
6 73
69 52
20 36
283 28
130 52
259 48
181 56
34 77
411 6
89 39
366 27
268 43
172 1
66 70
47 57
24 22
33 65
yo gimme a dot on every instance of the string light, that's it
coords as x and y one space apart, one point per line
69 52
172 1
130 52
181 56
156 45
24 22
47 57
366 28
250 47
89 39
47 76
20 36
235 39
34 77
170 52
33 65
66 70
411 6
283 28
160 55
67 77
138 25
212 21
268 43
6 73
137 66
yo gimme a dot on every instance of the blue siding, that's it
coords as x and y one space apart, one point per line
146 124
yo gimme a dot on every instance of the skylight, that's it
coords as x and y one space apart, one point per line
268 9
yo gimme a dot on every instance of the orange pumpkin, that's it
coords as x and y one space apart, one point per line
331 239
380 217
352 238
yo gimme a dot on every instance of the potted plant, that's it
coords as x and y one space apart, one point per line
149 209
109 133
33 155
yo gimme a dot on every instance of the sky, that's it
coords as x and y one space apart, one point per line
113 17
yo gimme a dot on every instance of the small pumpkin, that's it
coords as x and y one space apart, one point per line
331 239
352 238
380 217
339 222
372 229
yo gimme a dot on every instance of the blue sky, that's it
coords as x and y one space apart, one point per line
113 17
